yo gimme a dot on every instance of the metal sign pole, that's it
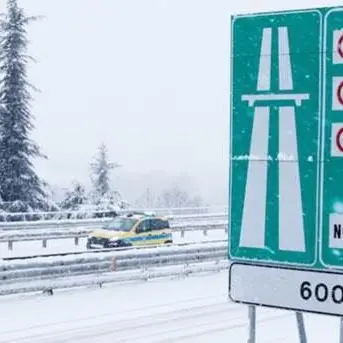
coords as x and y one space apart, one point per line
341 330
252 324
301 327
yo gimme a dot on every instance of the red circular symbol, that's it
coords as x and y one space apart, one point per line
338 139
339 93
339 46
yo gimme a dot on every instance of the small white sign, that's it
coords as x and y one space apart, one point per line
337 93
336 231
337 140
337 49
300 290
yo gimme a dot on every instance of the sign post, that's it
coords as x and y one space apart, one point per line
301 327
252 324
286 161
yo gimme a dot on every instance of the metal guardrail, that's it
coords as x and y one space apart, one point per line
91 212
24 236
93 223
49 286
109 250
46 274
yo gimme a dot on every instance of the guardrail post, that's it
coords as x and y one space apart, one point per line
44 243
10 245
182 233
76 240
114 264
48 291
226 228
145 273
341 330
205 232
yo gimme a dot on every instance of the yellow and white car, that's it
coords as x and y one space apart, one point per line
133 229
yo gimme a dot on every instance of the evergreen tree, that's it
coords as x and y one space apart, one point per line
75 197
100 175
18 179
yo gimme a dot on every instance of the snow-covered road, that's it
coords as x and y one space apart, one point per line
194 309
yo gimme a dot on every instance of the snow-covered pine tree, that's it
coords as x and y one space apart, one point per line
100 176
18 179
75 197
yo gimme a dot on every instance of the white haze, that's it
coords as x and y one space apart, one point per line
150 78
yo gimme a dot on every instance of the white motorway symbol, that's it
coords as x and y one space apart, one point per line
291 227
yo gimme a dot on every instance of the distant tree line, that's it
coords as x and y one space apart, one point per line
171 197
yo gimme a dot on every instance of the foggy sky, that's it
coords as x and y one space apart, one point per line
150 78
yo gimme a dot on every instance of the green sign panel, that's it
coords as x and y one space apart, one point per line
286 156
332 185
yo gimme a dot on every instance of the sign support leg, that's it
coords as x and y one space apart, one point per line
341 330
301 327
252 324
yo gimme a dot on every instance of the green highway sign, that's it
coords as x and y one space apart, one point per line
275 121
286 145
332 185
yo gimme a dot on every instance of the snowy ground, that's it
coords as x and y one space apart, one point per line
194 309
56 246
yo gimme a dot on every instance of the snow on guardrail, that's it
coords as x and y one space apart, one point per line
45 235
91 213
95 223
70 254
49 286
41 273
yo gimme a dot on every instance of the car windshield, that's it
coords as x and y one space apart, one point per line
120 224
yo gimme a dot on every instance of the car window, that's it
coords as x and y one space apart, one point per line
159 224
144 226
120 224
